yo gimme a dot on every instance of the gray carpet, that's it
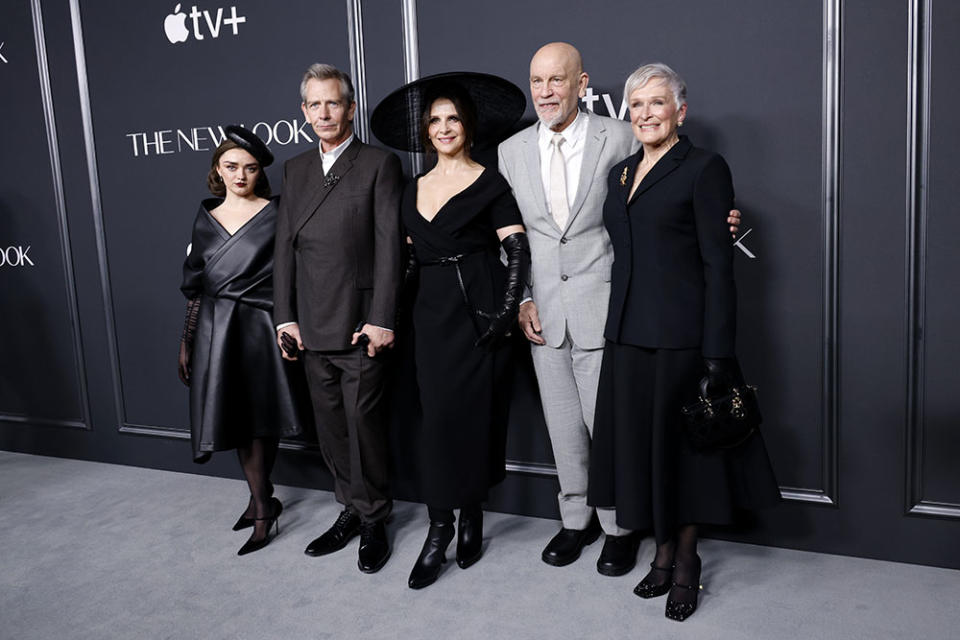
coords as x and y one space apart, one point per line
101 551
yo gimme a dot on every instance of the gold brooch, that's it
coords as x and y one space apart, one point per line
623 177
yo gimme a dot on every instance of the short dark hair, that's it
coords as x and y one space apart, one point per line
215 183
320 71
462 102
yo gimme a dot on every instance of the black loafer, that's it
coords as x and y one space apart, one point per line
336 537
565 547
374 547
619 555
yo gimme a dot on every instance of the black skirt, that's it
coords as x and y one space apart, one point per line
640 461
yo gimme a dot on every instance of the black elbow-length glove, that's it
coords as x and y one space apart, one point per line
518 266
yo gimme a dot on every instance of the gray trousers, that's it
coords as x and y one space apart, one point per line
568 377
346 388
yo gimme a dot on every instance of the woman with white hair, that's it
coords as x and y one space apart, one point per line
671 324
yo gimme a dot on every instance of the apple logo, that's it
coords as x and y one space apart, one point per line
175 26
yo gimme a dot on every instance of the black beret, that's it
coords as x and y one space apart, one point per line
249 141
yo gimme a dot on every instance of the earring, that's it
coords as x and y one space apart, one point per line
219 178
680 123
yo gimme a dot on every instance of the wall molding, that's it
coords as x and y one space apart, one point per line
358 68
411 63
66 251
919 55
97 208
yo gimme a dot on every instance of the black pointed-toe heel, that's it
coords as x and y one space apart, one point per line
273 522
243 522
647 589
469 538
432 557
680 611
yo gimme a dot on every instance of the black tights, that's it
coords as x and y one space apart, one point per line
679 552
256 460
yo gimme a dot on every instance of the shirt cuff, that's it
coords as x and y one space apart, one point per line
284 324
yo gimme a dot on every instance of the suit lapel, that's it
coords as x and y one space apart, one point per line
670 161
531 160
321 186
594 139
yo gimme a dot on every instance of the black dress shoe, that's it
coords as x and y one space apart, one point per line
565 547
432 557
469 537
374 546
337 536
619 555
655 583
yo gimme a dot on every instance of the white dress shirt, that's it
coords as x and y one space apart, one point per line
329 157
572 149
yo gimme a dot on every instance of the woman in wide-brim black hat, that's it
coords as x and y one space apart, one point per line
240 388
464 300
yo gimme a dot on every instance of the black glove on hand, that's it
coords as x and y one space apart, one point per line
721 375
518 265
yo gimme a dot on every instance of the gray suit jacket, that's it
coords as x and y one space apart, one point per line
570 274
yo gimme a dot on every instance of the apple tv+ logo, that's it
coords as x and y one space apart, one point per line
175 25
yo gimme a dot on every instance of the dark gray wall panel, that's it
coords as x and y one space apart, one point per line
149 97
42 379
940 322
763 112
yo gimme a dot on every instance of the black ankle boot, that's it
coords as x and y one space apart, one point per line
469 537
427 568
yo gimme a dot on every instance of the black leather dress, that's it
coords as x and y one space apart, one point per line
241 388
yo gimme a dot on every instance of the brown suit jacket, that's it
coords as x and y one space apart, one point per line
337 258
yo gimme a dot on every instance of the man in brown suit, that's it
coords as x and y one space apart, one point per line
336 276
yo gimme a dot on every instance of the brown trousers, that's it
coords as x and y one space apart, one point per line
347 390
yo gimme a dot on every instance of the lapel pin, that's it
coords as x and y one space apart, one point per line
623 177
331 180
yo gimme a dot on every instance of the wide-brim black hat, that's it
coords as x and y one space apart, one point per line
250 142
498 103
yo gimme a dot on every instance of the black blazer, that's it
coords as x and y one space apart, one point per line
337 257
672 281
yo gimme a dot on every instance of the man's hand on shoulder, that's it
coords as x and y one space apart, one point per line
530 322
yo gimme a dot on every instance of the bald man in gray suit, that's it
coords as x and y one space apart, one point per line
558 170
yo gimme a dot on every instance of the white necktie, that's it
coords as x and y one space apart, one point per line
559 207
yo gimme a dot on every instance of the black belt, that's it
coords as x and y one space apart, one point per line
454 261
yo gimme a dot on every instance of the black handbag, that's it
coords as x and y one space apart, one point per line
723 421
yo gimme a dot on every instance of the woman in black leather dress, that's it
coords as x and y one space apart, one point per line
457 217
240 388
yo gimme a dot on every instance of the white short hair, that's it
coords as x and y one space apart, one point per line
648 72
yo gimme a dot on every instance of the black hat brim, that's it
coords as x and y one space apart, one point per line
250 142
499 105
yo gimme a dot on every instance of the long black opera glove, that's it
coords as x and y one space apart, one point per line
720 375
412 270
518 266
408 289
184 366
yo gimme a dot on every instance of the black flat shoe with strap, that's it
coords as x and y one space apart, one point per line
680 604
647 588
